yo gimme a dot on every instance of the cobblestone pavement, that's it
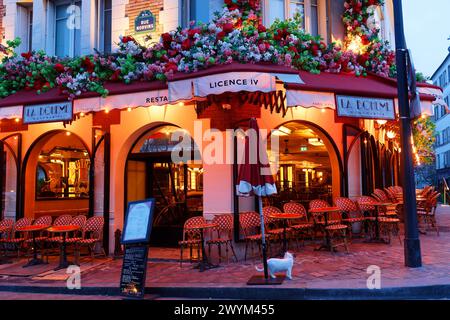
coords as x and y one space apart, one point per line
312 269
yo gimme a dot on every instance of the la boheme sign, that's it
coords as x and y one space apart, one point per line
367 108
144 22
50 112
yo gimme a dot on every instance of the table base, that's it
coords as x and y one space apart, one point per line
64 265
34 262
202 266
325 247
376 240
261 280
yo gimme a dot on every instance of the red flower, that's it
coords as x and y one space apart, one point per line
228 27
88 65
193 32
167 39
261 28
26 55
115 75
127 39
171 66
59 68
186 45
221 35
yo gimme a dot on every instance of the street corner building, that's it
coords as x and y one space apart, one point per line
94 90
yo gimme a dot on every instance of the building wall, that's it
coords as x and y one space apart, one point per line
2 13
441 77
166 13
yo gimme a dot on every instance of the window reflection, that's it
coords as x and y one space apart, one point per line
63 169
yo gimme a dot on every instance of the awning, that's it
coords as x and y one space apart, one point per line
301 88
229 78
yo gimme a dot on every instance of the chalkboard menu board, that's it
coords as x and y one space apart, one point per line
134 268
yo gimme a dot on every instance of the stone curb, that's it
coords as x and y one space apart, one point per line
257 293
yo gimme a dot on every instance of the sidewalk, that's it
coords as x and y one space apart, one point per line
315 274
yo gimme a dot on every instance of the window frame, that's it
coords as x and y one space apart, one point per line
101 26
321 15
72 37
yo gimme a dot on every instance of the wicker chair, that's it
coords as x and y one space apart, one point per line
191 237
41 221
224 231
275 233
92 235
426 212
353 212
301 227
335 228
13 240
250 222
380 195
63 220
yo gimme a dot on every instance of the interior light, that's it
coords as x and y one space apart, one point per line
315 142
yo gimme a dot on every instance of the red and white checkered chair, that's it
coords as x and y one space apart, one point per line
63 220
270 223
76 236
6 225
426 211
92 235
381 196
224 232
191 237
15 238
301 227
353 212
41 221
250 224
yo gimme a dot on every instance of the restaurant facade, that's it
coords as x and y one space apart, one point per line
92 154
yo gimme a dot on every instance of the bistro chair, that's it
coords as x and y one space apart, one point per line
301 227
250 224
380 195
13 240
426 212
63 220
92 235
43 235
224 231
270 224
191 237
6 225
353 213
76 236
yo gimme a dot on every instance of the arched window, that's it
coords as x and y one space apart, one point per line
313 13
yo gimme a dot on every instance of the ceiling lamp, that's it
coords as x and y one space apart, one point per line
315 142
381 122
282 131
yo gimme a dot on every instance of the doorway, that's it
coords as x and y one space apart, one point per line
176 186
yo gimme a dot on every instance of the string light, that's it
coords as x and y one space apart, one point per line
129 109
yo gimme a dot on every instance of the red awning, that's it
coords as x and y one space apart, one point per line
348 84
53 95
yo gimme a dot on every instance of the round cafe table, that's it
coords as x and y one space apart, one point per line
63 263
325 211
33 229
204 264
285 217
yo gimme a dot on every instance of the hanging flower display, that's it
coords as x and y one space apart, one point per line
235 34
